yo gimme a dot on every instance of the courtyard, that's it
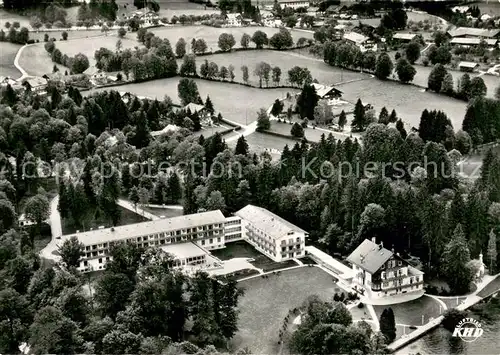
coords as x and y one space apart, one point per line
266 302
242 249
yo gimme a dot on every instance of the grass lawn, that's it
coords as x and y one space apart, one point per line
11 17
260 141
8 53
241 249
223 95
127 217
410 313
89 46
211 34
360 313
408 101
167 212
312 134
71 34
285 60
36 61
266 302
494 285
433 20
422 76
452 302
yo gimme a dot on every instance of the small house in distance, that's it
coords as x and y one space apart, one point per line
380 273
234 20
327 92
468 66
404 37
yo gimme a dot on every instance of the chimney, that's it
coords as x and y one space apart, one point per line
381 245
397 254
374 240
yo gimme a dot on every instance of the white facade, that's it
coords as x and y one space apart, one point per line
271 235
294 4
382 273
233 20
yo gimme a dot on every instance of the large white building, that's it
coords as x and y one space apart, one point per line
272 235
205 229
294 4
190 238
381 273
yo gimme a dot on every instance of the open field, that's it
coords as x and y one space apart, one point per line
211 34
260 141
422 16
71 34
11 17
89 46
410 313
236 102
266 302
36 61
422 76
312 135
408 101
8 52
488 7
127 217
285 60
168 8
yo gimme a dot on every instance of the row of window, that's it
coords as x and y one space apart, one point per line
208 230
232 230
392 263
232 237
290 241
232 223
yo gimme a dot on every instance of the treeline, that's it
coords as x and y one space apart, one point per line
265 73
466 88
98 9
77 64
26 4
14 36
49 309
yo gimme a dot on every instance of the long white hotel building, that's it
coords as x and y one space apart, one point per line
189 238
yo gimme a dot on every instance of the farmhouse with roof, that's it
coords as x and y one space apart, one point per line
234 20
381 273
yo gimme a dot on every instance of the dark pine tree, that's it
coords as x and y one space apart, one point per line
241 146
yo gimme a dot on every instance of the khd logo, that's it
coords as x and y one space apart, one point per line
468 330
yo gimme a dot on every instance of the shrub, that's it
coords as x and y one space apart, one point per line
46 37
64 36
361 305
58 24
48 25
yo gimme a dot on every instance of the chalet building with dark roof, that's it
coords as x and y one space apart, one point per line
380 272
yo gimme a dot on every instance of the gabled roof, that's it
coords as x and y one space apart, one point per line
193 107
323 90
468 64
233 16
355 37
273 225
471 31
369 256
405 36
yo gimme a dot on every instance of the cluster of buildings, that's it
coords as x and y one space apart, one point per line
374 272
469 36
36 84
190 238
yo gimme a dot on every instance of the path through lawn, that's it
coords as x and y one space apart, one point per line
267 301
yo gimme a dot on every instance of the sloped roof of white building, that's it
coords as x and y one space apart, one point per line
270 223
